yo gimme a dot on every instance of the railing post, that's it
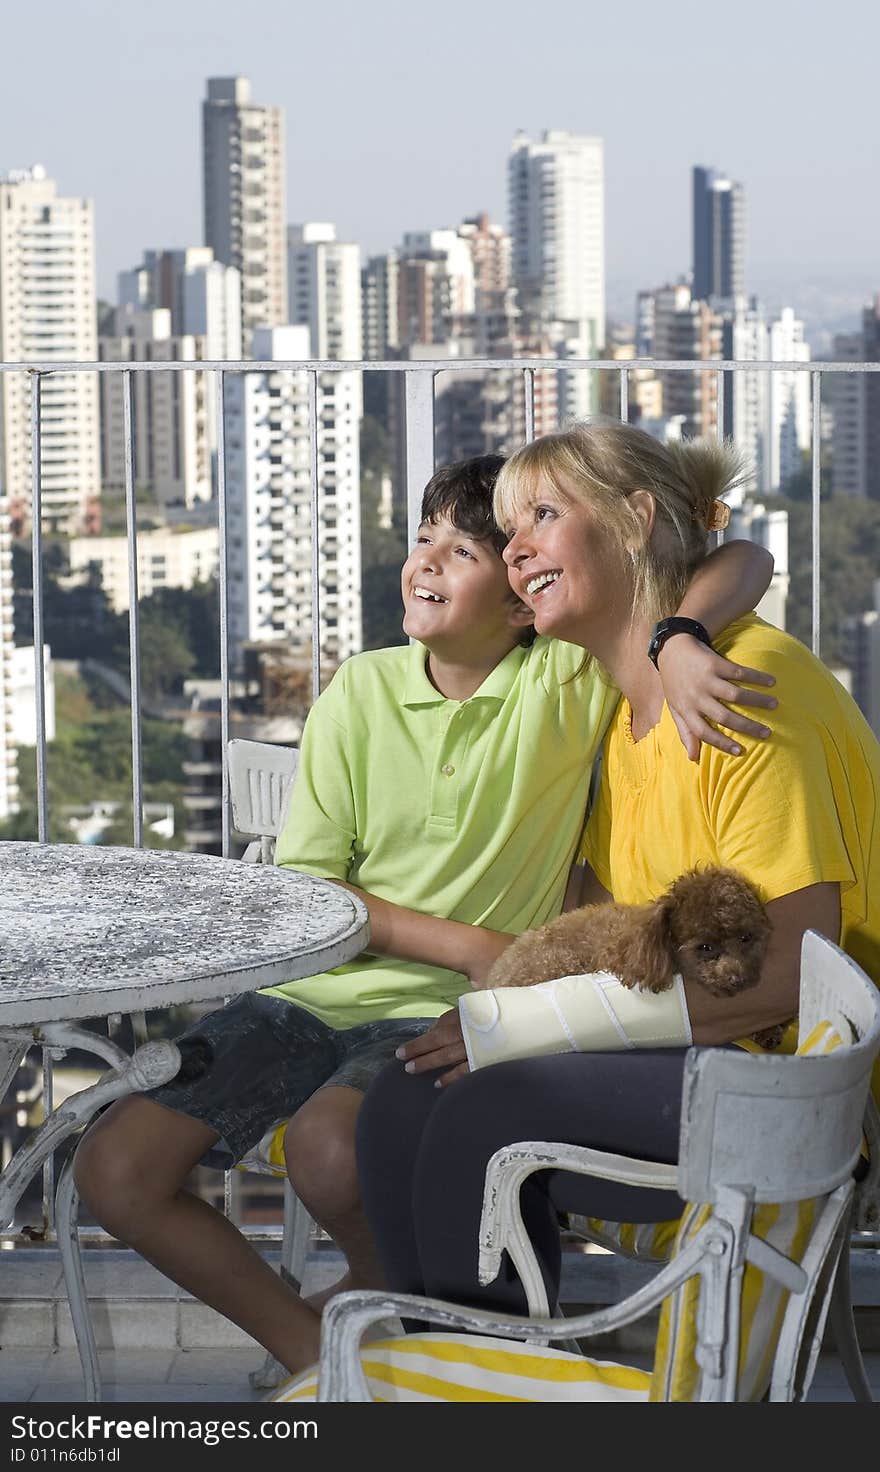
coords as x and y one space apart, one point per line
134 653
816 457
419 433
529 402
222 509
39 636
314 496
719 404
624 396
720 425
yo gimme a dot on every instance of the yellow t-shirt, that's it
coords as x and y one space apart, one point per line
800 808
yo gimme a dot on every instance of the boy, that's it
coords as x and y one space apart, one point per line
446 782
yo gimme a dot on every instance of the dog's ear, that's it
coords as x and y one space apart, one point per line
649 961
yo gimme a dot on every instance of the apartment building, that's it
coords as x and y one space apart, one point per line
48 311
271 568
243 194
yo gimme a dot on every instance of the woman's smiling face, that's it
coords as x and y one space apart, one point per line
563 565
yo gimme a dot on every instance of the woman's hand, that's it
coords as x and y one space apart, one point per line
441 1046
699 685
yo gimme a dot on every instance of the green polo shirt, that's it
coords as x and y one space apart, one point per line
468 809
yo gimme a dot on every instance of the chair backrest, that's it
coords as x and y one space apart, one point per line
260 780
831 989
806 1112
767 1150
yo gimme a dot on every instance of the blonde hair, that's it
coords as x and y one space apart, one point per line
600 464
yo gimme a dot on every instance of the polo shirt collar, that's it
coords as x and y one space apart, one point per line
497 685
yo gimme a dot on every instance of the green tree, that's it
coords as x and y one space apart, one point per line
77 622
90 759
850 562
179 627
799 486
166 657
195 613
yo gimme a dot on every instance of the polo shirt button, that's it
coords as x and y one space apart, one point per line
448 769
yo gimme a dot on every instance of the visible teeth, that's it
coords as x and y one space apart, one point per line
426 593
541 581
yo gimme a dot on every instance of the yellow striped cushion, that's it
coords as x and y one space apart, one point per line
466 1367
654 1241
470 1367
646 1241
676 1373
267 1156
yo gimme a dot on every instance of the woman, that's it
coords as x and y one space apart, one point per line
606 526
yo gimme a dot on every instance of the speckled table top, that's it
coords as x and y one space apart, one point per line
86 931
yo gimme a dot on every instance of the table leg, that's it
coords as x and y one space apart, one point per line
66 1223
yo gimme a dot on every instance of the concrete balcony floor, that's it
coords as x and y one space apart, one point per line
221 1375
157 1344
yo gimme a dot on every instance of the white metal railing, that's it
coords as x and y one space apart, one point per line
418 427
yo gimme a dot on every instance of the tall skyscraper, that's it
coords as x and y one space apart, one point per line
871 339
788 407
271 569
324 289
203 299
8 750
752 522
48 310
379 306
745 337
324 296
491 251
767 412
243 182
436 286
855 404
556 197
687 328
202 295
719 235
170 433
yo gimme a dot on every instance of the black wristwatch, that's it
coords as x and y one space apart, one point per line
667 627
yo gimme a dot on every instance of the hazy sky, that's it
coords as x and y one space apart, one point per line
400 116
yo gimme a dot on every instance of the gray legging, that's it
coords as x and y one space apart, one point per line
422 1156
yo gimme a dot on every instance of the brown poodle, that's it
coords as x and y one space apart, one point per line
710 926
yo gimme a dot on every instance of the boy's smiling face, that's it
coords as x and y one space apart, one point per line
456 595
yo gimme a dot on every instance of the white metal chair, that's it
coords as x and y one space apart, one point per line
261 777
260 781
653 1242
768 1145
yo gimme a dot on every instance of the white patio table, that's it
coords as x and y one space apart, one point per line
85 932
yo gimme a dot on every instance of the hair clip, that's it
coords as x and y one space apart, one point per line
718 516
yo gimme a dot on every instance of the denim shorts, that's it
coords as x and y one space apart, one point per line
255 1061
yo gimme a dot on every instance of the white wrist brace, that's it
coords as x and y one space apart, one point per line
592 1013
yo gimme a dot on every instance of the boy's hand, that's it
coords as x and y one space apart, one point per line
699 685
441 1046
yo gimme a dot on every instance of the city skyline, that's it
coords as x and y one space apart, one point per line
398 148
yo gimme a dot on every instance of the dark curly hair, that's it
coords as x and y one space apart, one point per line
463 492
